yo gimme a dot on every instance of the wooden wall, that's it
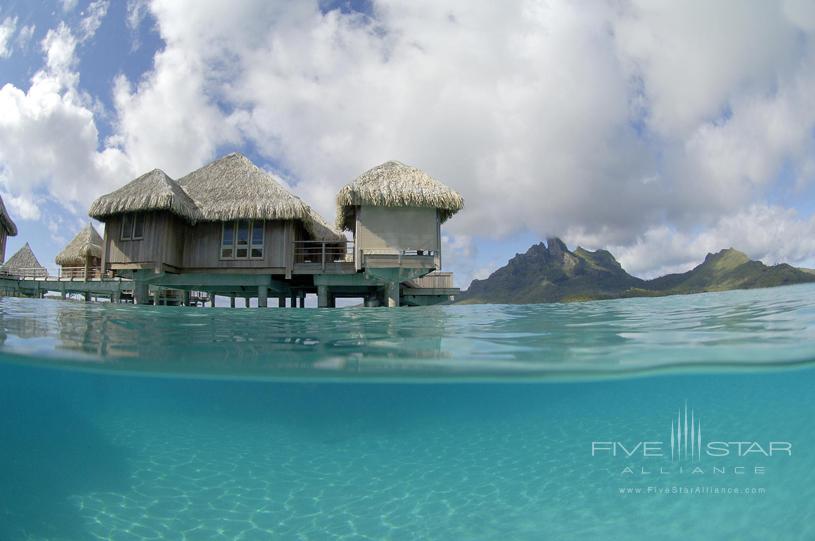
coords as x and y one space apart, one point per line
202 247
171 241
162 242
387 228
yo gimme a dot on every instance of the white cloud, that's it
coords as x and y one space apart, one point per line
7 29
596 120
544 104
24 35
771 234
136 12
56 228
22 206
49 139
91 22
59 46
69 5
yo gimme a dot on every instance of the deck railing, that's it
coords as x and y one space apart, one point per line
62 273
434 280
322 253
78 273
24 273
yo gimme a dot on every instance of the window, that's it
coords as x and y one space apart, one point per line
242 245
228 241
133 226
138 226
242 239
127 226
257 239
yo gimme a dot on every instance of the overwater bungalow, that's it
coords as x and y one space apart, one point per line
7 229
82 257
23 264
232 229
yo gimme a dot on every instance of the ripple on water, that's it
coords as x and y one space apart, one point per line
754 328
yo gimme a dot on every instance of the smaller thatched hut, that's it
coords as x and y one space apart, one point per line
7 229
396 210
82 257
24 264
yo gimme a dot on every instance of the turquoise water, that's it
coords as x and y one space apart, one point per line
136 423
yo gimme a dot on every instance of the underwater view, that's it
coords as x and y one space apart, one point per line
685 417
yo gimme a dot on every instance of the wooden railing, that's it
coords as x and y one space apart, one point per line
434 280
63 273
25 273
322 253
78 273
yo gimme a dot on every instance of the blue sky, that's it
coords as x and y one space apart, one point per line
658 132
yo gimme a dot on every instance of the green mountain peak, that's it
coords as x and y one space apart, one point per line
550 272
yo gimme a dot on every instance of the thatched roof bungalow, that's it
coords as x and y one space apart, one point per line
396 210
231 228
229 214
82 257
153 191
24 263
396 185
7 229
86 245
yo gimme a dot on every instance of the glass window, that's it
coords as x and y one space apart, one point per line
257 232
242 242
257 238
138 225
127 226
228 240
243 232
228 237
242 239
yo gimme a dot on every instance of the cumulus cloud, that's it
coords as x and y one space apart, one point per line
49 139
769 233
627 124
7 29
22 205
561 109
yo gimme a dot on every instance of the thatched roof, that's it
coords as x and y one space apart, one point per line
394 184
23 258
229 188
6 222
319 228
233 188
151 191
86 243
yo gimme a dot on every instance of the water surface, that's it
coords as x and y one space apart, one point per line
147 423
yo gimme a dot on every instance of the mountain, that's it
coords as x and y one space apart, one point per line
552 273
729 269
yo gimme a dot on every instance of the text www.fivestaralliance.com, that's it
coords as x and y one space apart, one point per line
680 490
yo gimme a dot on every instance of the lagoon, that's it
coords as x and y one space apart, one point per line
456 422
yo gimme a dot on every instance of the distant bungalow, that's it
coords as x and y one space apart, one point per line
230 228
24 263
82 257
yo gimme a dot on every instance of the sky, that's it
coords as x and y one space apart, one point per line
659 130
